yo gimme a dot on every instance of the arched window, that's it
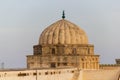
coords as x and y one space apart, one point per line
74 51
53 50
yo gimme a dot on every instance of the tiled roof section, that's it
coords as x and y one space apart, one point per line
63 32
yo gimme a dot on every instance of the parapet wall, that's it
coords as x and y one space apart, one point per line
59 74
109 66
101 74
41 74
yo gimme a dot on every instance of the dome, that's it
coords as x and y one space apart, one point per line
63 32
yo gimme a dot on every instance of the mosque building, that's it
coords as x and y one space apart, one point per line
63 44
63 53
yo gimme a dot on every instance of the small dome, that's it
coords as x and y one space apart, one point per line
63 32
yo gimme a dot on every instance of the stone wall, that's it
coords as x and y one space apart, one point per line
109 66
81 61
41 74
82 49
59 74
101 74
72 55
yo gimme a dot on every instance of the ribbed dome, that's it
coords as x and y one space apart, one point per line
63 32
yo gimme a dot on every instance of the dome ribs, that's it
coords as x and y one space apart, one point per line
47 35
59 32
55 34
72 32
67 33
50 37
41 39
63 32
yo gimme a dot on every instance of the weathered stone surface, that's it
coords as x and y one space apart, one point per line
63 44
63 32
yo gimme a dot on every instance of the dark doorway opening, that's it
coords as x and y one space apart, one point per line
53 65
53 51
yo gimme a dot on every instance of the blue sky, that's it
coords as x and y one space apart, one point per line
22 21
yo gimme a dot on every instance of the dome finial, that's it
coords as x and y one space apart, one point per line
63 15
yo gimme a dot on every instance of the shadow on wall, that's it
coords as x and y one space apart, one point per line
76 75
